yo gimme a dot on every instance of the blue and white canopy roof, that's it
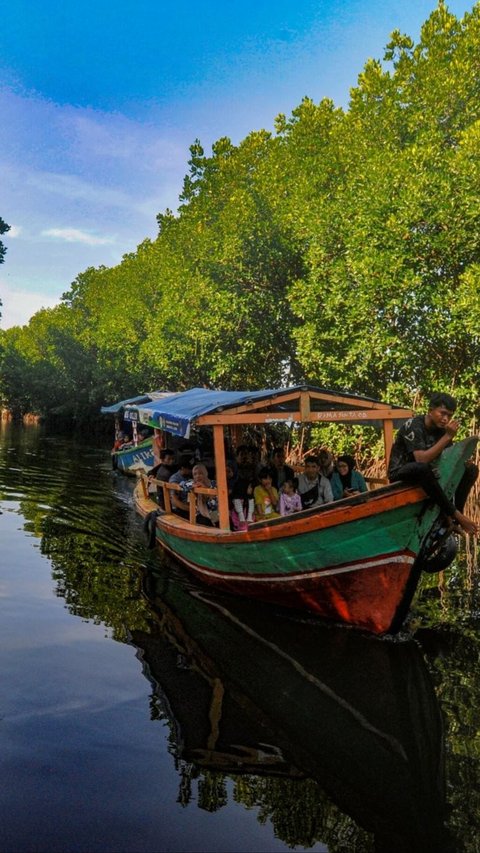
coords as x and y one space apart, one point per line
176 413
115 408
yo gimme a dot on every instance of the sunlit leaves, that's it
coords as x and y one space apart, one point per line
343 249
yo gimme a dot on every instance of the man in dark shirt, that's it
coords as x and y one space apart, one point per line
279 469
163 471
419 444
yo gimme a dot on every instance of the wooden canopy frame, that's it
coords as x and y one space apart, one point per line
267 411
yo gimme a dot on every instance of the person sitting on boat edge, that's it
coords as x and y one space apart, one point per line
207 506
265 496
346 481
127 442
179 500
279 470
165 468
207 510
163 472
290 500
119 440
184 471
418 445
314 489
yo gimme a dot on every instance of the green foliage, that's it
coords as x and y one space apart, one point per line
389 248
450 604
224 264
301 814
344 249
212 792
3 230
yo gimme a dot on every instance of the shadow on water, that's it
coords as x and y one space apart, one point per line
82 512
331 736
250 691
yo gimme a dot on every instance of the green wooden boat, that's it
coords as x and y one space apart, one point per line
138 457
355 561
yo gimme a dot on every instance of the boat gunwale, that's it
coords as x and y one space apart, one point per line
144 445
387 498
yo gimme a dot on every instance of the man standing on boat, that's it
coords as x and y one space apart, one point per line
418 445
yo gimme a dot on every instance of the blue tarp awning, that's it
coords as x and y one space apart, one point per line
117 407
176 412
134 401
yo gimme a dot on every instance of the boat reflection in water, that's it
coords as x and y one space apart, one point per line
250 690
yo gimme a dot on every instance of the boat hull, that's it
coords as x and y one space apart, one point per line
367 593
343 563
134 459
355 561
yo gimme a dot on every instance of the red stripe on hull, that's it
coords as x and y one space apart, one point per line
365 594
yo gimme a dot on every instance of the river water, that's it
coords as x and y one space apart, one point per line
141 712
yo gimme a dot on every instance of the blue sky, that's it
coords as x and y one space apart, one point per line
99 102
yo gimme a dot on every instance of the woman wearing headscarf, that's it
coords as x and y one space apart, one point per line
346 481
207 507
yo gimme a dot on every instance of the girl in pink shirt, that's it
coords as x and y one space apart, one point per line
290 500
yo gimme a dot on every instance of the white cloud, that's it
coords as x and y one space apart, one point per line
85 186
103 138
74 235
19 305
74 188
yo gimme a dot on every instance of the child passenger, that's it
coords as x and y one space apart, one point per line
266 497
241 489
290 500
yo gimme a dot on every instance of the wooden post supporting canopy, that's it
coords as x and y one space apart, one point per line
387 440
221 477
304 406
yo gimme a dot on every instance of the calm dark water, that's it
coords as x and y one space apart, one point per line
140 712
